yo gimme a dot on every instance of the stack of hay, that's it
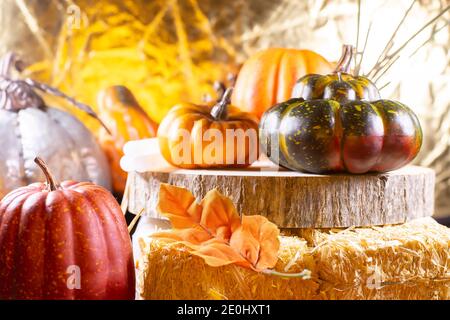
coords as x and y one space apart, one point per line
406 261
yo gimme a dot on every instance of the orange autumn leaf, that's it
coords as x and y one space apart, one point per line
216 213
218 253
215 252
257 240
214 231
219 215
194 235
179 205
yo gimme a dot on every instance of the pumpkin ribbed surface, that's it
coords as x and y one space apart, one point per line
70 243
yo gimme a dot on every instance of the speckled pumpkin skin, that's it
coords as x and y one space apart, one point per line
339 134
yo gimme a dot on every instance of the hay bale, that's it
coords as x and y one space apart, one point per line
407 261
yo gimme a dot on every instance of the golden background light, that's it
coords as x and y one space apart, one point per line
167 51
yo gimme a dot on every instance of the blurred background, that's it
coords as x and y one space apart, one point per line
171 51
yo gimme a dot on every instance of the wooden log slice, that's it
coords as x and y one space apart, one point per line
300 200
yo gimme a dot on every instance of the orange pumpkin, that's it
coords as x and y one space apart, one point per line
209 136
127 121
267 78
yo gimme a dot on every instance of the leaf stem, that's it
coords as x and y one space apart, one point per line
305 274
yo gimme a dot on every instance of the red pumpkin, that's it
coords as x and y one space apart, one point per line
64 241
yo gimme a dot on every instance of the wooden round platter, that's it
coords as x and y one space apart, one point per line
299 200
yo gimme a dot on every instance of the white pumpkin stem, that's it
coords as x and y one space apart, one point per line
53 91
220 110
25 90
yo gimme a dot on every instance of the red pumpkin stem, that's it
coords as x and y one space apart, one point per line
220 110
51 182
345 61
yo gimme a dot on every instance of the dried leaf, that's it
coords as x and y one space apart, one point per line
214 231
257 240
219 215
179 205
217 254
195 235
216 213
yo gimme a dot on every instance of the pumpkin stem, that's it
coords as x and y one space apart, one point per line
220 110
51 182
22 93
219 88
55 92
345 61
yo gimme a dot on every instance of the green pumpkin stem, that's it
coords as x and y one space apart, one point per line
345 61
51 182
220 110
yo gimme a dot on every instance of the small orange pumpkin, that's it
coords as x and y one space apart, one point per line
267 78
127 121
209 136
